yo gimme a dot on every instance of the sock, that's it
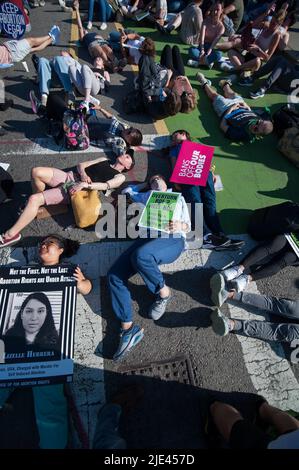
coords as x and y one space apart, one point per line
44 99
237 325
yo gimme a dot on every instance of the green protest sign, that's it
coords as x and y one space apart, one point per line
159 210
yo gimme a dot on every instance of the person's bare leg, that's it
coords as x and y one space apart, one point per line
98 51
228 45
35 42
34 203
164 292
281 420
43 45
235 57
224 417
108 52
40 177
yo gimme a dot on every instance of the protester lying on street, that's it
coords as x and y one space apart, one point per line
214 236
265 330
128 42
144 257
97 46
70 73
238 121
263 261
189 21
282 76
50 404
97 174
14 51
212 30
225 422
105 13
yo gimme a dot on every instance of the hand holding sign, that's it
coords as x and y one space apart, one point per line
193 164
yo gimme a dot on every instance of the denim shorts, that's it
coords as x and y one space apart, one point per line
18 49
222 104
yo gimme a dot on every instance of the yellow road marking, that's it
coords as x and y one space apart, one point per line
74 36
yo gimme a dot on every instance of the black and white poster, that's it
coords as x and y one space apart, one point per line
37 325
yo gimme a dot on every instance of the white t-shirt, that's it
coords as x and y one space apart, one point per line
286 441
134 50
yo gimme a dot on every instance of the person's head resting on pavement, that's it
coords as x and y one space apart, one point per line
132 136
126 161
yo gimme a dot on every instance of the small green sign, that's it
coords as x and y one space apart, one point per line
159 210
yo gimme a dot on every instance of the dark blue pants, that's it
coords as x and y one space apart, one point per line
143 257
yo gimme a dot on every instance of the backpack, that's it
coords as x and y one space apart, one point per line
275 220
6 185
284 118
132 102
76 134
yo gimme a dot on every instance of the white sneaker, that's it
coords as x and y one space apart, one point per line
240 283
94 101
103 26
89 25
226 66
202 79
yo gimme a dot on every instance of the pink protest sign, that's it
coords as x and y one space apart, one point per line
193 164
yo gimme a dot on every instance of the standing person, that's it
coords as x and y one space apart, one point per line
144 258
97 174
105 13
212 30
14 51
238 122
50 404
214 237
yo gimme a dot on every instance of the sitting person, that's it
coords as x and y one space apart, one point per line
97 46
263 261
189 21
97 174
212 30
158 11
214 237
144 257
14 51
282 74
50 402
171 59
238 121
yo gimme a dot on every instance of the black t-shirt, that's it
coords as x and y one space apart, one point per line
89 38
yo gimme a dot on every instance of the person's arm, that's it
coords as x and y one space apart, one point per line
103 111
224 126
114 183
84 285
202 39
229 9
79 22
273 46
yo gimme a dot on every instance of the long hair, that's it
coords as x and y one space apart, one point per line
172 104
47 335
188 102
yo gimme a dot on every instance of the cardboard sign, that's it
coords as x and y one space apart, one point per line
159 210
193 164
37 325
12 20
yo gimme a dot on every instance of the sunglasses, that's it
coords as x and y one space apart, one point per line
48 242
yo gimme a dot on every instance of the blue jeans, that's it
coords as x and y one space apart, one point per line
48 71
106 434
50 413
143 257
207 196
215 56
105 10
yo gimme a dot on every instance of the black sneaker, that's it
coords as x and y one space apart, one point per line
212 241
7 104
161 28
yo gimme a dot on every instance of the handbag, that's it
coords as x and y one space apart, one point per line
288 145
86 206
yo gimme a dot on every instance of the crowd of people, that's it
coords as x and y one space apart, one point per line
244 38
